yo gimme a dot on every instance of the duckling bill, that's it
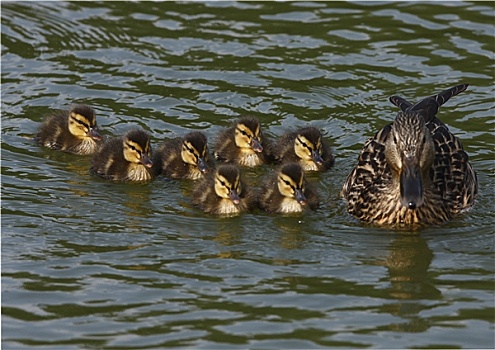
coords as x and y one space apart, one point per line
223 192
305 146
125 158
72 131
287 191
414 170
242 144
183 157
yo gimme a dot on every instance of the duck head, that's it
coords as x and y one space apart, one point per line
195 150
248 134
410 152
291 182
228 183
137 148
307 145
82 122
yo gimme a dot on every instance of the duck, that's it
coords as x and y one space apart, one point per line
287 191
224 192
306 146
73 131
126 158
414 171
183 157
242 144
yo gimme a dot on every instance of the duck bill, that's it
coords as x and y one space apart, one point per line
300 197
256 145
411 185
146 161
202 165
315 155
234 197
94 134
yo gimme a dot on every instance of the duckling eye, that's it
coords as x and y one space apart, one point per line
134 149
287 183
304 143
189 149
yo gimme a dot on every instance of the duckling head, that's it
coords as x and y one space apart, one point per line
248 134
195 150
410 152
228 183
308 146
82 122
291 182
137 149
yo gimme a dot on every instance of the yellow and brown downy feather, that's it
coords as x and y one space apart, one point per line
413 171
306 146
224 192
73 131
287 191
242 144
125 158
183 157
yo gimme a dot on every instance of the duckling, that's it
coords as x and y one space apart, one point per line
414 170
223 191
72 131
305 146
183 157
287 191
125 158
242 144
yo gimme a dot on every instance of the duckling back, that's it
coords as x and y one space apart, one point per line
305 146
125 158
223 192
242 144
286 190
73 131
183 157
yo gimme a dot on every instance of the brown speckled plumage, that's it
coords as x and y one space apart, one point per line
413 171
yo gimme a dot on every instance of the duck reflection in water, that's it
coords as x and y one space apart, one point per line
408 263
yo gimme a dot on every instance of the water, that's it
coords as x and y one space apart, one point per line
92 264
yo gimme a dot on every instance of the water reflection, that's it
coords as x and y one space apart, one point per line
137 266
408 262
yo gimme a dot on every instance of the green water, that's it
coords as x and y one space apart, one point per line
92 264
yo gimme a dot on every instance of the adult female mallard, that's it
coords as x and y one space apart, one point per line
125 158
305 146
73 131
242 144
287 191
223 191
183 157
413 171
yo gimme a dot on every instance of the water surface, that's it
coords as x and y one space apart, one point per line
92 264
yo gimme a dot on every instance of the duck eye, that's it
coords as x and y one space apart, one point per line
243 132
304 143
